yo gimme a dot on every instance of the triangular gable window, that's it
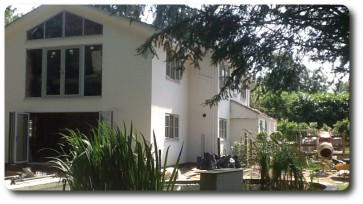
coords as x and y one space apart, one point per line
64 24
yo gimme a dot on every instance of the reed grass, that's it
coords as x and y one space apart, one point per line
113 159
280 163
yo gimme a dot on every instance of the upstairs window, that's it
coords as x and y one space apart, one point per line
92 28
73 25
34 73
54 27
173 69
64 71
224 73
64 24
244 94
36 33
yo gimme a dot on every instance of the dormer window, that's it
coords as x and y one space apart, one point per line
64 24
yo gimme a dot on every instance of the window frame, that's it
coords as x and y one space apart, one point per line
62 71
172 126
224 73
173 69
262 125
33 75
243 94
64 33
62 77
222 125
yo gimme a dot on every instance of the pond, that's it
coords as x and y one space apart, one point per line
248 185
254 185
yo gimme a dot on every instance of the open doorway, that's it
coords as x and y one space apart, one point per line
33 137
45 129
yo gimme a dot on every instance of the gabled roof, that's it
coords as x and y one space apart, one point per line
246 108
90 10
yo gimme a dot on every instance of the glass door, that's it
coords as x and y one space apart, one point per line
21 145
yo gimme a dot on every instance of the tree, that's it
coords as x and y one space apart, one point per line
302 107
341 87
133 12
286 75
249 36
316 82
283 74
9 15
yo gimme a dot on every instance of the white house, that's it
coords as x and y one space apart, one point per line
67 66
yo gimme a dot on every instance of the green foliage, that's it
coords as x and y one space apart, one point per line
264 150
9 15
112 159
312 167
291 130
342 126
278 156
287 75
133 12
342 187
341 87
325 127
256 40
302 107
286 167
322 108
278 136
239 150
248 37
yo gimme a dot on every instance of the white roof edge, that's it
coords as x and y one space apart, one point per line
253 110
147 27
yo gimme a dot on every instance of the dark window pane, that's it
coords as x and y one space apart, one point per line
73 25
92 28
53 72
176 127
53 26
72 71
93 70
36 32
33 73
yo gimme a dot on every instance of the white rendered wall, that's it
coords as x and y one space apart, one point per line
126 78
240 126
169 96
203 120
224 112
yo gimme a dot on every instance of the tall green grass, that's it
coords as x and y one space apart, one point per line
280 163
113 159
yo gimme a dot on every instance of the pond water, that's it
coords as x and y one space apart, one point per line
248 185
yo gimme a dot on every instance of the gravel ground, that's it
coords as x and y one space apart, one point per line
330 178
190 172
